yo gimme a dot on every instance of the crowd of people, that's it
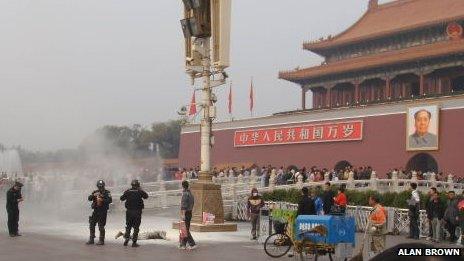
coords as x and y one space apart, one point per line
290 174
441 215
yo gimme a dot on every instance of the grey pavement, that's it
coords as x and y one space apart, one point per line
51 238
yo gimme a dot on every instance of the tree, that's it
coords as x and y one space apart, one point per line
135 140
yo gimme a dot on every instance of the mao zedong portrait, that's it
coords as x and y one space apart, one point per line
422 138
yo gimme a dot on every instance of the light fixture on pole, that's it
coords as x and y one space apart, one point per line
206 28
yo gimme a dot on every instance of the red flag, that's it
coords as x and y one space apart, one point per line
251 96
193 106
230 98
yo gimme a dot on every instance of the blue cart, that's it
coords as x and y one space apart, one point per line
312 235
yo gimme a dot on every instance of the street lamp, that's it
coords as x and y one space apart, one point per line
206 28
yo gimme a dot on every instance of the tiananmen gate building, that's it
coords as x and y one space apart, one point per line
389 94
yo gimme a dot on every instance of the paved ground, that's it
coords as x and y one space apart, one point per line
48 238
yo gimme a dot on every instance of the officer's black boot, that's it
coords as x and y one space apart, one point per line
92 232
135 236
91 241
127 236
101 240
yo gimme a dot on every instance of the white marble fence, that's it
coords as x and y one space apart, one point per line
235 189
235 186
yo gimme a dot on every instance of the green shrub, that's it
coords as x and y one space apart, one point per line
291 195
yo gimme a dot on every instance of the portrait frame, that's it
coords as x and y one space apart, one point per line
433 128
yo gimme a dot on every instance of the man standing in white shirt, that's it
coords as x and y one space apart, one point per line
414 207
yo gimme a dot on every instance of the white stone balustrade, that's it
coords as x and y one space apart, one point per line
167 193
373 184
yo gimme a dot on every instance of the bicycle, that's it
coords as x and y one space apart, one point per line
279 244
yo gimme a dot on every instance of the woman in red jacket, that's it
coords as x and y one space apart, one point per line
340 200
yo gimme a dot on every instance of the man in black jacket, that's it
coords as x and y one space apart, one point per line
13 197
101 200
451 216
435 211
428 210
306 204
254 204
134 204
327 198
186 207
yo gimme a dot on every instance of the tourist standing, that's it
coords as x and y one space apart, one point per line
414 206
327 198
101 200
13 197
378 227
435 211
254 205
134 205
186 207
340 201
318 204
306 204
461 216
451 217
281 176
429 210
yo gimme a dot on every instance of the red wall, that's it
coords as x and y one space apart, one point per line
383 147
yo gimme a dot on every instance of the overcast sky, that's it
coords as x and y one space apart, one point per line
68 67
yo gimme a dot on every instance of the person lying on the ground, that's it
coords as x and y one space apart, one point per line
146 235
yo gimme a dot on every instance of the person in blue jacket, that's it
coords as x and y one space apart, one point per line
318 203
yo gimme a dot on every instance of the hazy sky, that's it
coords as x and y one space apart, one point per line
68 67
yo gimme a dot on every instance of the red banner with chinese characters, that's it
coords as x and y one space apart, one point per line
326 132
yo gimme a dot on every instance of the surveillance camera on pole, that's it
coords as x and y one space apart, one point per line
206 28
207 19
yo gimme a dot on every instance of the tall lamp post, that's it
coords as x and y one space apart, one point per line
206 28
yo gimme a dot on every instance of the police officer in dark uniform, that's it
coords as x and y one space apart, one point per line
134 204
13 197
101 200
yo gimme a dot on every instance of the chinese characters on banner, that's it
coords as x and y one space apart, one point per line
327 132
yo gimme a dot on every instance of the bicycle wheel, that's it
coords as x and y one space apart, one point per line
277 245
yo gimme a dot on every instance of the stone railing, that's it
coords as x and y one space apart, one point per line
397 222
235 189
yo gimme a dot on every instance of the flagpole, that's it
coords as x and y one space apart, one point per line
252 97
230 102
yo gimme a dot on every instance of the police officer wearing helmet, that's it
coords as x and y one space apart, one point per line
101 200
134 204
